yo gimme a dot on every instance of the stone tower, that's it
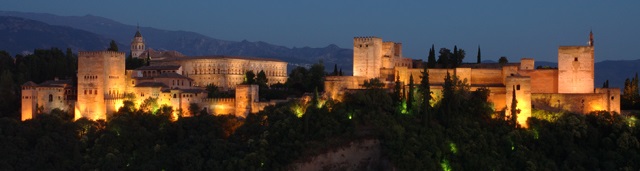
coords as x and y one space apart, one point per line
137 45
101 78
576 68
29 101
367 56
521 86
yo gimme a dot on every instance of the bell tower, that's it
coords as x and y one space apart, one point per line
137 45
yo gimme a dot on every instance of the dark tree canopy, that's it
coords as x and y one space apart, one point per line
113 46
503 60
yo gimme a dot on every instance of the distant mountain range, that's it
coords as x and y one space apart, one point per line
193 44
38 30
20 35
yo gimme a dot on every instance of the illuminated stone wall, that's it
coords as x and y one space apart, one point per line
522 86
220 106
49 98
542 80
335 86
486 77
227 72
575 69
100 73
28 108
575 102
246 95
367 56
527 64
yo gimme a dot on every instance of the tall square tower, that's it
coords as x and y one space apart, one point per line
367 56
100 77
575 69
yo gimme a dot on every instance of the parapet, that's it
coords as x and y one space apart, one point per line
366 39
527 64
97 53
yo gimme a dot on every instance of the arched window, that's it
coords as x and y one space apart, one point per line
50 98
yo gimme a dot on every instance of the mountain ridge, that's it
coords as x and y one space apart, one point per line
194 44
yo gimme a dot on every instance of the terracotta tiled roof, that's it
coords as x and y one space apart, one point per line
151 84
172 75
55 83
222 57
160 67
29 83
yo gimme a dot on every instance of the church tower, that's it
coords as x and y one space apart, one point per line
137 45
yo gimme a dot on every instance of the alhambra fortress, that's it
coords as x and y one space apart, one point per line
178 81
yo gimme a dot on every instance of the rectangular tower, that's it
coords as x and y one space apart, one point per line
575 69
367 56
100 76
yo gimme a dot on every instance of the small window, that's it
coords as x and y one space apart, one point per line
575 59
612 97
518 87
50 97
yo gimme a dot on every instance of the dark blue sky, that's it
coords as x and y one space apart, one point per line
502 28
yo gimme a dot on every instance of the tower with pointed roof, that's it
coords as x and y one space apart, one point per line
137 45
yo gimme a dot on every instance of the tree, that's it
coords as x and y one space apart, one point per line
8 93
249 77
479 56
194 109
262 80
335 70
431 60
396 91
459 56
503 60
445 57
373 83
410 94
425 91
316 77
113 46
605 84
514 109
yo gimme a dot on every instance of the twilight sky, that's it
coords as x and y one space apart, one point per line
502 28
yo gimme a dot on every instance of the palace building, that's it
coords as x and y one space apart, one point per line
570 87
103 84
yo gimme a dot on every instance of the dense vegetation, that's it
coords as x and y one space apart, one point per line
42 65
458 131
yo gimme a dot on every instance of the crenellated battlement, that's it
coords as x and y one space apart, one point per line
365 39
99 53
209 100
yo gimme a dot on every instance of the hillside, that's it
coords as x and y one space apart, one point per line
24 35
194 44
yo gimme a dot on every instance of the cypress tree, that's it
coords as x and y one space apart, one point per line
410 94
396 91
335 70
454 58
425 90
113 46
431 61
514 110
479 58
